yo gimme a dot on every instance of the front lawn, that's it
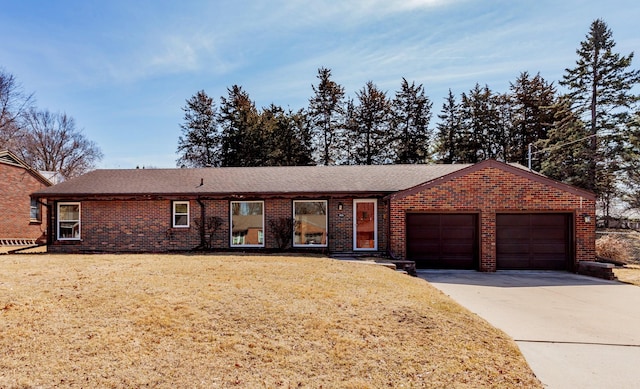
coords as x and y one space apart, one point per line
209 321
629 274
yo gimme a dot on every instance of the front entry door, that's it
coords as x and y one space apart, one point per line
365 224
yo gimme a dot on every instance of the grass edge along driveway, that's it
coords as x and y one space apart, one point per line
202 321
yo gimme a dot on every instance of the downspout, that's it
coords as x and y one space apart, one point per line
203 214
388 228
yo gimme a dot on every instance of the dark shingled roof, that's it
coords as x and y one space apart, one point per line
250 180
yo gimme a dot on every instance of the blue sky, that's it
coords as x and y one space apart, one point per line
123 69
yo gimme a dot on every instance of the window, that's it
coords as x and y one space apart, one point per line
247 223
180 214
68 221
365 224
35 212
310 223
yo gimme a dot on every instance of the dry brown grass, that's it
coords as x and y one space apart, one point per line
169 321
629 274
628 244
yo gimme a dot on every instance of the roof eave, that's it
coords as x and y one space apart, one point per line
213 195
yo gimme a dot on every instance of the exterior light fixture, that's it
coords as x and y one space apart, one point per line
587 219
340 206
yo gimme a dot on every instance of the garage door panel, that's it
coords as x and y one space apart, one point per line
517 262
424 248
549 249
510 249
456 220
548 234
457 234
426 233
552 264
442 240
513 233
533 241
422 219
456 250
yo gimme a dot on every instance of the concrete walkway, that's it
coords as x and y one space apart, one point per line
574 331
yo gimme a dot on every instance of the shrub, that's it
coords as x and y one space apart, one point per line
612 247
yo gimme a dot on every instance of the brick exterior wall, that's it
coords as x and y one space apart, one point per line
146 226
16 185
489 190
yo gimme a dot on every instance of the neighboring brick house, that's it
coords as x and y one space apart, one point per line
22 217
486 216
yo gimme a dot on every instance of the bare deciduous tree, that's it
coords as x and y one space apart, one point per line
52 143
14 103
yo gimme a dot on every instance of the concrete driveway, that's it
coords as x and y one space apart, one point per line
574 331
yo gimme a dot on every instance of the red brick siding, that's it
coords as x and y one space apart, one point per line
130 226
489 191
340 225
16 186
145 226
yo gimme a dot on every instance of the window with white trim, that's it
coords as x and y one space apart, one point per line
247 223
309 223
68 221
180 214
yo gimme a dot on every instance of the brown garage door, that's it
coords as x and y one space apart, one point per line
533 241
445 241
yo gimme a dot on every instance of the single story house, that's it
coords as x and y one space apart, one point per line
22 216
486 216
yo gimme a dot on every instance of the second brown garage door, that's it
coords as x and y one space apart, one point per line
533 241
446 241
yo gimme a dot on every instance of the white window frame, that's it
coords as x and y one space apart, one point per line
326 218
375 225
59 220
261 235
174 214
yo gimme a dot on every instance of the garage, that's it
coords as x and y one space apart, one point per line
442 241
537 241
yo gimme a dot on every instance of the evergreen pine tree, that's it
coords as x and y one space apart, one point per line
199 144
242 141
286 137
326 117
411 115
373 140
600 87
564 154
448 131
480 131
533 115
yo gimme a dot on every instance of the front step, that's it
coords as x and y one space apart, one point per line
408 267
